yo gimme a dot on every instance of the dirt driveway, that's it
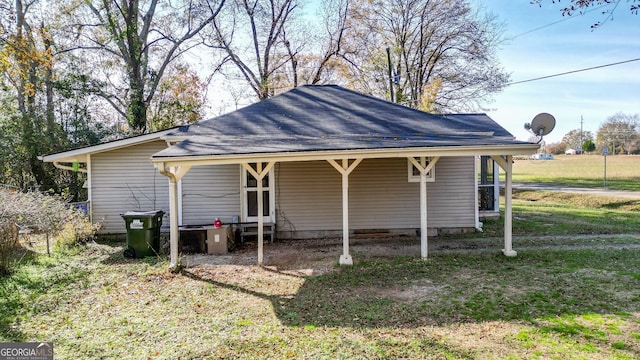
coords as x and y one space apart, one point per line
320 256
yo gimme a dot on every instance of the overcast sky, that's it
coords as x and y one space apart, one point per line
559 45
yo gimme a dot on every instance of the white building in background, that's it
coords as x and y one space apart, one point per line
541 156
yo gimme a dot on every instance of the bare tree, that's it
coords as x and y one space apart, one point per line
252 36
619 132
576 138
272 49
332 42
143 38
581 6
443 53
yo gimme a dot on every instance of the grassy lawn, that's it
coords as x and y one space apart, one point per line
571 294
623 171
553 213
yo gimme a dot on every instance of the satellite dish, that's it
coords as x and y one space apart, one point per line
542 124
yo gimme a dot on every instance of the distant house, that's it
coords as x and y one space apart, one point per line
541 156
313 161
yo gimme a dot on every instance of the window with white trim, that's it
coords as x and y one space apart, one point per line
414 174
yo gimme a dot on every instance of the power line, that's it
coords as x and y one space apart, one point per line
573 71
557 22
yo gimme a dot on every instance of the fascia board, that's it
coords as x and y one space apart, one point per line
520 149
80 155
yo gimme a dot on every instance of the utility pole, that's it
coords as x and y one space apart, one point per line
581 123
390 76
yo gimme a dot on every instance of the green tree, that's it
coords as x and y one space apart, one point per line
588 146
179 99
26 73
45 105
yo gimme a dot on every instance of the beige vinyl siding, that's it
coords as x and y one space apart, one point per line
309 195
210 192
125 179
381 196
451 199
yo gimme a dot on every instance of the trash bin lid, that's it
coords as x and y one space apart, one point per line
153 213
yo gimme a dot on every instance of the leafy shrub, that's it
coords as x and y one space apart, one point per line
40 213
8 229
76 230
8 246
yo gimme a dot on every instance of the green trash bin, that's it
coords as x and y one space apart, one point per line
143 233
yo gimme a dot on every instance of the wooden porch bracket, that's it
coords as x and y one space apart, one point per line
424 169
506 163
259 173
345 169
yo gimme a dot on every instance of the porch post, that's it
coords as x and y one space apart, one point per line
180 207
506 163
173 222
345 169
259 173
424 169
260 210
508 213
423 216
345 258
175 174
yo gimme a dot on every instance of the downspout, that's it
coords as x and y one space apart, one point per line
85 170
89 187
476 189
67 167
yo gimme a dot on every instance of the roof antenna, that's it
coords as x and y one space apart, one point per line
390 75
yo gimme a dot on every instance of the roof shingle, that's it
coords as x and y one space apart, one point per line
330 117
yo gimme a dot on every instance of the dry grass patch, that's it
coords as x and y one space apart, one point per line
460 304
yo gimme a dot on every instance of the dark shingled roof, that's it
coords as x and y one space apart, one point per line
329 117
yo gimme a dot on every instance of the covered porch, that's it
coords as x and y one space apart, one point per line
343 163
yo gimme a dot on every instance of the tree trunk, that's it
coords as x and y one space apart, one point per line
137 68
137 108
52 127
34 134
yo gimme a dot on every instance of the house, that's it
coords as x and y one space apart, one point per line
120 177
313 161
